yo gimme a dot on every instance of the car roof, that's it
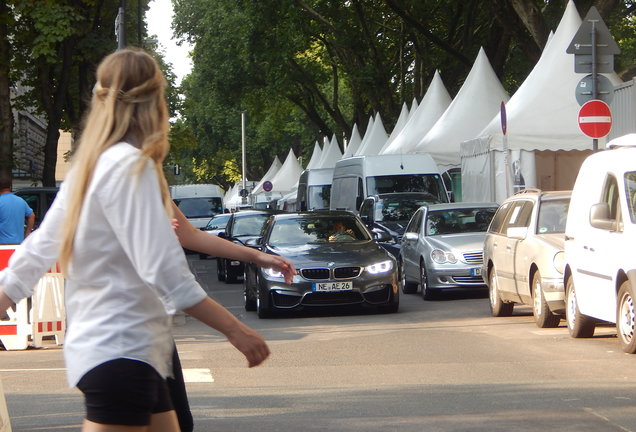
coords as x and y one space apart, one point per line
534 193
242 213
403 194
315 213
461 205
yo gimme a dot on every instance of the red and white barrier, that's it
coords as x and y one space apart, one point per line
41 315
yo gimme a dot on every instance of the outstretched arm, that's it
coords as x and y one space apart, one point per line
197 240
247 341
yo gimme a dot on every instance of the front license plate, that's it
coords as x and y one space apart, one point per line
332 286
475 271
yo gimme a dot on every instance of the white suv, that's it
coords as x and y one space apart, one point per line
600 234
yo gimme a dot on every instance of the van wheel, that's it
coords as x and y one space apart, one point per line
626 317
498 308
543 316
579 325
407 287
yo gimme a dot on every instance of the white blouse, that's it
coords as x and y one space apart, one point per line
128 273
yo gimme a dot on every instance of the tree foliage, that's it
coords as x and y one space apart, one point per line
304 69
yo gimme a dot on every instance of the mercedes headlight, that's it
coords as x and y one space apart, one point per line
443 257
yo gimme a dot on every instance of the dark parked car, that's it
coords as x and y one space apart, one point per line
39 199
214 226
442 247
338 262
391 212
241 226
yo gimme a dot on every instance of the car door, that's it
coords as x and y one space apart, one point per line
505 256
596 272
408 248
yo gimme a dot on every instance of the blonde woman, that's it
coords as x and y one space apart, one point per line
110 229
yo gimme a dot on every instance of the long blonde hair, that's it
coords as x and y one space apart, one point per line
128 102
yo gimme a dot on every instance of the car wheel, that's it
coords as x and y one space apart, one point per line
579 325
626 317
543 316
248 297
219 270
407 287
230 276
498 308
427 292
263 309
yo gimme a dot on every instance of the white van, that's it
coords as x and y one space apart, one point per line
314 189
600 234
357 177
198 202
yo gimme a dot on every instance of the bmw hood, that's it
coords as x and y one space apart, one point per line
343 254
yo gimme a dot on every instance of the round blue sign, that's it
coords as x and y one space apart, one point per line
267 186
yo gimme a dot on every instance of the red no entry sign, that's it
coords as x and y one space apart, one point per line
595 119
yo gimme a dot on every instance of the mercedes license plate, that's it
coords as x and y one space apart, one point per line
475 271
332 286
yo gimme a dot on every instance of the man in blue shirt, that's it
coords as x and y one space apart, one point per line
14 214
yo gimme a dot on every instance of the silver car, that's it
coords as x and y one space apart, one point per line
523 255
442 247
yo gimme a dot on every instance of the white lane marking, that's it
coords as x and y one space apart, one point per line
198 375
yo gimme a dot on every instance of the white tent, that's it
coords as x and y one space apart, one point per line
542 129
414 106
286 177
377 139
330 155
433 105
354 142
271 172
473 107
402 120
315 156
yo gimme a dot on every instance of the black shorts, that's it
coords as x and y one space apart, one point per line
124 392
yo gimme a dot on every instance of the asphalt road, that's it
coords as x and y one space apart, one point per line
442 365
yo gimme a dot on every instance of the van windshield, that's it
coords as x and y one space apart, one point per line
199 207
318 197
431 183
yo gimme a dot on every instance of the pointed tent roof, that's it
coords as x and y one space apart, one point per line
377 139
543 112
354 142
399 126
414 106
271 172
315 156
286 177
367 134
331 155
433 105
476 103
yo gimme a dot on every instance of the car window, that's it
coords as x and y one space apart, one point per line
199 207
519 215
400 209
251 225
458 220
552 216
316 230
416 221
218 222
630 189
497 221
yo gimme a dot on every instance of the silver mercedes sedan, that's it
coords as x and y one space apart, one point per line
442 248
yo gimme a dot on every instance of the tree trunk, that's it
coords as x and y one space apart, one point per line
6 114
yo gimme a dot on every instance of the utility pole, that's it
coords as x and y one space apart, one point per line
120 25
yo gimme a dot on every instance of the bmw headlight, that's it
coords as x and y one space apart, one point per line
443 257
559 261
381 267
273 273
